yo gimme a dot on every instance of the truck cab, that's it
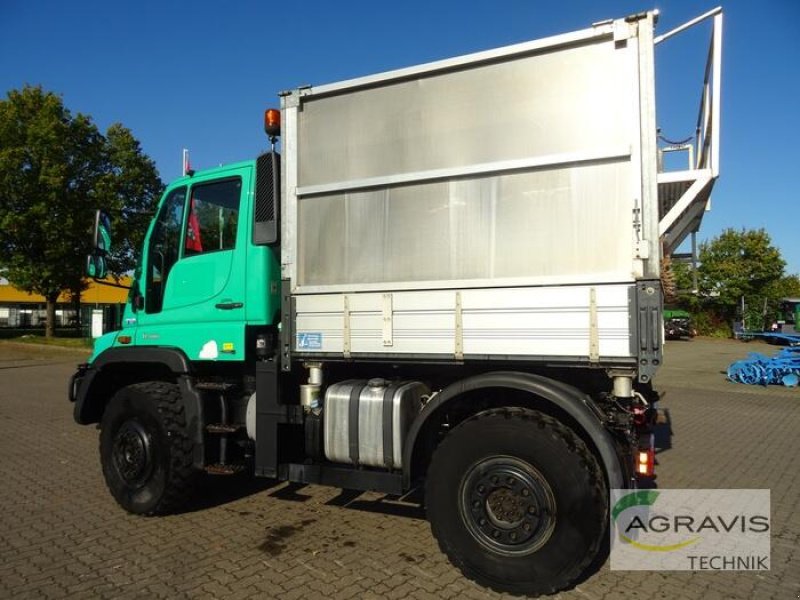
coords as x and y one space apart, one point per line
200 264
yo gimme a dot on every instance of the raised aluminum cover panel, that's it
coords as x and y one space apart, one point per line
556 101
525 166
554 321
373 425
573 222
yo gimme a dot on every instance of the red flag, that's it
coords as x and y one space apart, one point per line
193 241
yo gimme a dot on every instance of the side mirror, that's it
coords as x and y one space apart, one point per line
102 233
96 266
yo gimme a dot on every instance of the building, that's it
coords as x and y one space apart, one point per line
21 310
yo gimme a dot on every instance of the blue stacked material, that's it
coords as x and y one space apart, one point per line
757 369
788 339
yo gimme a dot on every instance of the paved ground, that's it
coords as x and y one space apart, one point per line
61 535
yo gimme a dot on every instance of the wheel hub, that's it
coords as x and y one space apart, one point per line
132 453
507 505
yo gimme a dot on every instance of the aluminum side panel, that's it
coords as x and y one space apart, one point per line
573 222
554 102
535 321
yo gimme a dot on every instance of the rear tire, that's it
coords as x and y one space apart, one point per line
517 501
146 454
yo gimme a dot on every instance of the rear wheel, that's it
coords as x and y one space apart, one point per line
145 451
517 501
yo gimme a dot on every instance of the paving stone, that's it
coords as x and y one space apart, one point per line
62 535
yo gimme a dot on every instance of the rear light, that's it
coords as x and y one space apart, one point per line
645 457
645 463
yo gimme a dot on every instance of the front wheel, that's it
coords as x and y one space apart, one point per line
145 451
517 501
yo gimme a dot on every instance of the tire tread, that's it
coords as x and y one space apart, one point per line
573 444
182 475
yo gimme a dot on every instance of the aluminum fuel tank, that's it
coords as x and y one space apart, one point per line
366 421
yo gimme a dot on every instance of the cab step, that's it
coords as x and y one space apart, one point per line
218 469
214 386
223 428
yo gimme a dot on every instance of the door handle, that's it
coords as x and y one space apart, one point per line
229 305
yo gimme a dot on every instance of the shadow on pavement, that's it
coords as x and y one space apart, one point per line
410 505
291 492
389 505
215 491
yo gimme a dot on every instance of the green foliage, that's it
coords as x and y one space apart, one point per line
129 191
682 272
737 264
756 316
709 324
686 295
785 287
47 158
56 168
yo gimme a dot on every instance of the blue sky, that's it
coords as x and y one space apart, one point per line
199 74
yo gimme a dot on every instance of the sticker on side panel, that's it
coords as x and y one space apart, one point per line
309 341
210 350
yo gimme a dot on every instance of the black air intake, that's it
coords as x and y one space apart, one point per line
268 185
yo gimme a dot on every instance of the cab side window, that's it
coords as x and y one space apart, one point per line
213 217
163 248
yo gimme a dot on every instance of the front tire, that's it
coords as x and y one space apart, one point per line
517 501
145 451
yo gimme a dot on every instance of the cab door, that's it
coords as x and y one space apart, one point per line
195 265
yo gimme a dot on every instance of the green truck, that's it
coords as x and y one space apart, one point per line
448 279
678 324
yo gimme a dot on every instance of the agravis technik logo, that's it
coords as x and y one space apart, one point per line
690 530
645 498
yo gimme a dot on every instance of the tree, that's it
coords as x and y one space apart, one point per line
685 292
787 286
129 191
740 265
56 168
